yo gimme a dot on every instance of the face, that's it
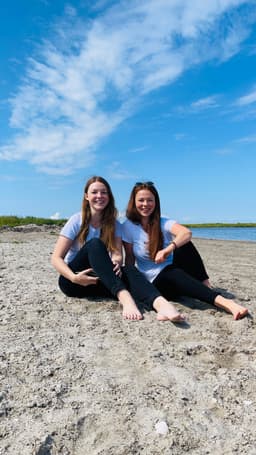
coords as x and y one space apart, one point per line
97 196
145 203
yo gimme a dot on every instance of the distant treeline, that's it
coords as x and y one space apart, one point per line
19 221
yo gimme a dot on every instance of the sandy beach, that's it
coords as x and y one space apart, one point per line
78 380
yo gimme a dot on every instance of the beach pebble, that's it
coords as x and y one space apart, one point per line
247 402
161 427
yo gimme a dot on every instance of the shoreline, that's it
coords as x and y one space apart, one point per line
21 233
232 233
13 222
78 380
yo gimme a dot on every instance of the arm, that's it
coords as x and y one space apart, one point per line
182 235
129 256
61 248
117 256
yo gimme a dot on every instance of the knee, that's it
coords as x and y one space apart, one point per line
126 268
93 246
130 270
95 243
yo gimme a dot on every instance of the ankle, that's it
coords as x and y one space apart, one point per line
158 302
124 297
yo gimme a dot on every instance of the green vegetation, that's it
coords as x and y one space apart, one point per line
17 221
220 225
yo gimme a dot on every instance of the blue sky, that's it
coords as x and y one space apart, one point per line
131 90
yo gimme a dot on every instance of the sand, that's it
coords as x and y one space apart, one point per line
76 379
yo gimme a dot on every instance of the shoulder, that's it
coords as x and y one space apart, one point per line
129 230
129 223
76 218
130 226
72 226
167 223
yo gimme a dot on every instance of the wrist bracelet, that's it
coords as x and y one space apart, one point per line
174 243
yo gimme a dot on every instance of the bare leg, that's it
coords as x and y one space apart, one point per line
166 311
230 306
130 309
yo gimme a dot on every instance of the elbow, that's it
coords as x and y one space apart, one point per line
188 236
52 260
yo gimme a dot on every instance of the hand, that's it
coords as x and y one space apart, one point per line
161 256
84 279
117 269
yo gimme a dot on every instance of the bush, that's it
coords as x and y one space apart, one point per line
20 221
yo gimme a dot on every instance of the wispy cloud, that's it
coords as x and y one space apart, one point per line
179 136
79 87
247 99
9 178
205 103
247 139
224 151
116 172
139 149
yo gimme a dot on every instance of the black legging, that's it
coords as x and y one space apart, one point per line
189 260
173 282
94 255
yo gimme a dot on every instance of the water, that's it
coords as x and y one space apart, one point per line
226 233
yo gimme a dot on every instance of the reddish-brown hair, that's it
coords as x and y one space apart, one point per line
108 216
154 226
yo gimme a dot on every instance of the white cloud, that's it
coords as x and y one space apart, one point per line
204 103
116 172
247 99
121 216
224 151
80 87
247 139
55 216
139 149
179 136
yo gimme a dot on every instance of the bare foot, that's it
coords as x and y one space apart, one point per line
166 311
232 307
131 311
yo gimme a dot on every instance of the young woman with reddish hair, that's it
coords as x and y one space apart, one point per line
151 240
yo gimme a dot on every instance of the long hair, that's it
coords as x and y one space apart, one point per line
108 219
154 226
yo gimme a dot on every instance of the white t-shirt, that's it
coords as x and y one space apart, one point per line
71 229
135 234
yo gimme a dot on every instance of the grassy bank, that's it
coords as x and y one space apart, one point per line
19 221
